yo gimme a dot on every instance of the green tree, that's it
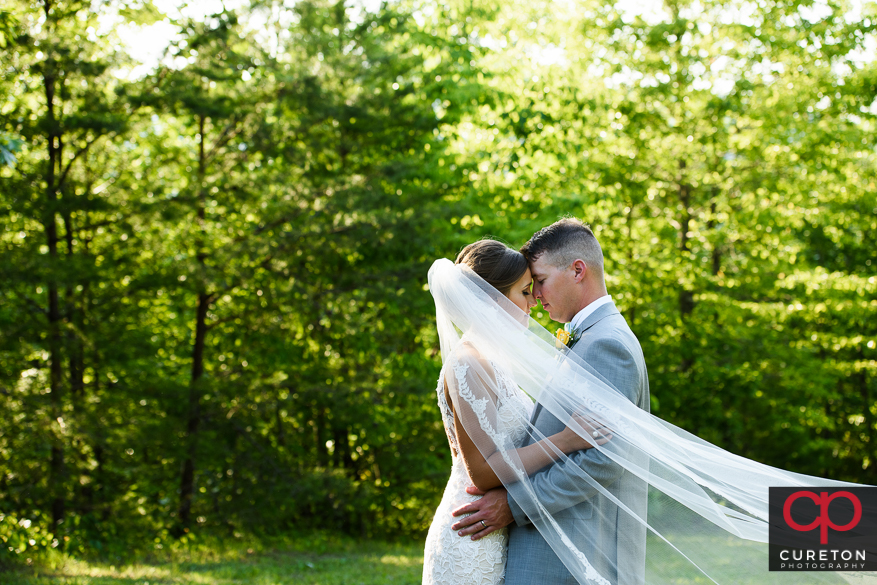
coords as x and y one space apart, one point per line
65 109
699 145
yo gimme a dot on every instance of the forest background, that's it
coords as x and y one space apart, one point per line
213 313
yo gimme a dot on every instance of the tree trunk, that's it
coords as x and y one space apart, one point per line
343 455
278 422
75 352
717 250
57 469
187 484
686 296
322 449
187 481
867 403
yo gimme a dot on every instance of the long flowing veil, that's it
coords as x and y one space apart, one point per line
689 511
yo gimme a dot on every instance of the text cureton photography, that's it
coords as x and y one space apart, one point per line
825 560
829 529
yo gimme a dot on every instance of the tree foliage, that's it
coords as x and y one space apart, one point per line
214 313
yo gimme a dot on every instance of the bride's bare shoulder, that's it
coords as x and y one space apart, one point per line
467 352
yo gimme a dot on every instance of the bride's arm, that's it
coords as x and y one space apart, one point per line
472 396
533 457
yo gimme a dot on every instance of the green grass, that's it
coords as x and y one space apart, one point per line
320 560
326 559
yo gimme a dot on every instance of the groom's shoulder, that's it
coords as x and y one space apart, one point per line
613 334
613 324
625 333
604 342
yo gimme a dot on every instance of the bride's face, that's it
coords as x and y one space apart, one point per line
521 293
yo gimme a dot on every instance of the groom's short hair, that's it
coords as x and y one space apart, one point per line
564 242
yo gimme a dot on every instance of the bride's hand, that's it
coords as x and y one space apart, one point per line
595 433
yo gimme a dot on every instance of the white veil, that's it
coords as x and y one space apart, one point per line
686 510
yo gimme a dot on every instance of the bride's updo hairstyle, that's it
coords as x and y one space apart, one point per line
495 262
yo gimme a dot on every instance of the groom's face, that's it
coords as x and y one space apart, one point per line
555 288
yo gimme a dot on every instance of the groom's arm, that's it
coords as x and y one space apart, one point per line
559 486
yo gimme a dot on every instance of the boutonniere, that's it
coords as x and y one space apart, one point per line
564 338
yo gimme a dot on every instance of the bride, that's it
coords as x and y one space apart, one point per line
708 510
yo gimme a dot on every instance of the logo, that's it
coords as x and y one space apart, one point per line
823 529
822 522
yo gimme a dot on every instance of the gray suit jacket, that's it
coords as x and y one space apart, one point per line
612 540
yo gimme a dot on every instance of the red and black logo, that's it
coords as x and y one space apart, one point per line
823 529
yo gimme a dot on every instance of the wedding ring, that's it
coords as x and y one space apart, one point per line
596 434
483 524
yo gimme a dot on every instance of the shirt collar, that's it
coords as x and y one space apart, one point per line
586 312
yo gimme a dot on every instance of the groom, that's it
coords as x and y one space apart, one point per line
567 266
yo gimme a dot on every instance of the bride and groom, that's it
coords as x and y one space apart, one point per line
494 537
559 470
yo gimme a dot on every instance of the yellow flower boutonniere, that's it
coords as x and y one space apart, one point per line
563 338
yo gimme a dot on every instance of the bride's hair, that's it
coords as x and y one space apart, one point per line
495 262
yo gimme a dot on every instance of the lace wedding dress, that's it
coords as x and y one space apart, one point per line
450 559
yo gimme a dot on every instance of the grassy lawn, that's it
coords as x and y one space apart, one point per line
330 560
320 562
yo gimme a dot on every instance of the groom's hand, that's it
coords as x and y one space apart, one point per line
493 508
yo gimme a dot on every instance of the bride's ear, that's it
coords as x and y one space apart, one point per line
580 269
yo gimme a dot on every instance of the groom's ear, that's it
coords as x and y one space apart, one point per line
580 269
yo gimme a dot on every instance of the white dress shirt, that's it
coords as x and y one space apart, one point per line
584 313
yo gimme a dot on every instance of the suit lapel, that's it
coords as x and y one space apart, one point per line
601 313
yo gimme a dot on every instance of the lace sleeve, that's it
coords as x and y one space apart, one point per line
473 389
489 424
